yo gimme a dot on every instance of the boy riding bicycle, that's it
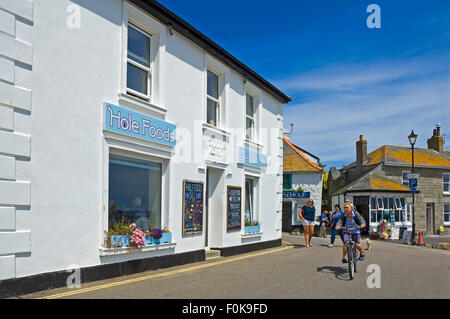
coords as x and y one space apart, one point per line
351 218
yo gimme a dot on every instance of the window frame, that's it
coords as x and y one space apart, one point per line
446 213
252 118
290 181
217 100
405 180
142 67
114 155
445 183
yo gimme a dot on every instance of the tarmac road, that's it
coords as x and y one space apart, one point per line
289 272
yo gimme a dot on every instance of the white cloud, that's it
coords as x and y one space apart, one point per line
383 102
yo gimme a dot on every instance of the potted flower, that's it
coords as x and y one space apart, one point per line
166 236
137 238
252 227
153 236
118 235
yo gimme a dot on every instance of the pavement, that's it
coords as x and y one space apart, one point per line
288 272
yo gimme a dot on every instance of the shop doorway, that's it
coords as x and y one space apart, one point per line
286 217
362 207
214 207
430 219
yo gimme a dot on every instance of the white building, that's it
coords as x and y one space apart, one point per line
302 180
107 108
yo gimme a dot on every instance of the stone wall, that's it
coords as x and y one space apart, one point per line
430 190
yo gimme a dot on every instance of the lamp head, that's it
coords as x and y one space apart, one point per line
412 138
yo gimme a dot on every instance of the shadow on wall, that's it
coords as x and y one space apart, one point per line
107 9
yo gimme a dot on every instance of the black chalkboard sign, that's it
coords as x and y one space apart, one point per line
234 205
192 207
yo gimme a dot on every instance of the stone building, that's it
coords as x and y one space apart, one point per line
302 179
378 185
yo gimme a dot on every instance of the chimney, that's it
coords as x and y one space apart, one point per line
361 152
436 142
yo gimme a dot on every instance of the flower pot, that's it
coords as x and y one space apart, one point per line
120 241
252 229
166 238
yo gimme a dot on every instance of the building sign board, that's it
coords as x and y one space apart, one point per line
252 158
292 194
126 122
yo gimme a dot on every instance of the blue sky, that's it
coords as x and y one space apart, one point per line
344 78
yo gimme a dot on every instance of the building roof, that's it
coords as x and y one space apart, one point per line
294 160
176 23
401 156
373 183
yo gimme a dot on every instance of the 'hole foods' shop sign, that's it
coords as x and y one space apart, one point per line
123 121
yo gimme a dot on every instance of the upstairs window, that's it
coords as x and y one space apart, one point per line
446 182
138 63
287 181
250 117
212 99
405 179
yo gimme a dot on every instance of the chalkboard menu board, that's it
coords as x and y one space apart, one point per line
192 208
234 208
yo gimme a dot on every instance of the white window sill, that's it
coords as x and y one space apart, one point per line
446 193
215 129
253 143
123 251
251 235
129 99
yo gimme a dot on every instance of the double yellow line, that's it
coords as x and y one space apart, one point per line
160 275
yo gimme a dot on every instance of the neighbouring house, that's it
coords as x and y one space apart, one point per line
115 112
302 179
378 185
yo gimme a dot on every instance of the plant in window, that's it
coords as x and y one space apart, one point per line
137 238
251 223
118 235
155 233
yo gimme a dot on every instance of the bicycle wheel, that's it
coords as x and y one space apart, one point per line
351 268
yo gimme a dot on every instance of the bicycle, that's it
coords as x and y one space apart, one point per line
351 251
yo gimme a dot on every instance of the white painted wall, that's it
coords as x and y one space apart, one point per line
55 155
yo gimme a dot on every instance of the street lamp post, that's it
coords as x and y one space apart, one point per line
412 140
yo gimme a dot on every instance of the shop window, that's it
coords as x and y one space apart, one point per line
212 99
135 193
287 181
446 182
249 207
250 117
447 214
138 63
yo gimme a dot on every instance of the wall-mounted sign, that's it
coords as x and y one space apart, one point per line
234 205
252 158
288 194
123 121
192 207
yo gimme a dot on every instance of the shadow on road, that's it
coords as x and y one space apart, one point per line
339 272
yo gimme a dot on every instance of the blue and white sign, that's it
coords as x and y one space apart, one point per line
413 185
292 194
252 158
123 121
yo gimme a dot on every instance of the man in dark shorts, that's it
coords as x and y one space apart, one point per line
351 218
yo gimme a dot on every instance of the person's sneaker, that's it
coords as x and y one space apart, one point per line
344 261
361 257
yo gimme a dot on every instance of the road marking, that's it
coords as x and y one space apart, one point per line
165 274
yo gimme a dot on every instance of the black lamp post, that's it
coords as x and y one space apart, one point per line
412 140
